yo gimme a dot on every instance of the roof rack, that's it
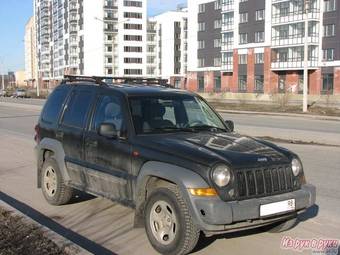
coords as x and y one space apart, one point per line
109 80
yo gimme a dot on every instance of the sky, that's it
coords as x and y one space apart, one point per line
14 14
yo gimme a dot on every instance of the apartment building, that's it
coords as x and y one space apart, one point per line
167 46
245 46
31 68
102 37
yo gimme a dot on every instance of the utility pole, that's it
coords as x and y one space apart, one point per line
2 76
305 72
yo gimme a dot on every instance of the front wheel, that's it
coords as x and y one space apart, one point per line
169 226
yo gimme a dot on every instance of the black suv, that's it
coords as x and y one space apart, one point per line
168 155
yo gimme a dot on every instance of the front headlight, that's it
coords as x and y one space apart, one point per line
221 175
296 167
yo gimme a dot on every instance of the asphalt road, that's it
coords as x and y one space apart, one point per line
284 127
109 225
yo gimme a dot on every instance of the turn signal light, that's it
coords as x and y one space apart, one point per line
209 192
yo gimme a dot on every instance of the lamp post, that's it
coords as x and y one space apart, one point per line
2 75
305 72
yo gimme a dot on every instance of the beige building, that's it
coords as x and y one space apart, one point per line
20 78
31 67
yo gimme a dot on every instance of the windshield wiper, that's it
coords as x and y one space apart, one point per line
208 127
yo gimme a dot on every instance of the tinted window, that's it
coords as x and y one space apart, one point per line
77 109
54 104
108 110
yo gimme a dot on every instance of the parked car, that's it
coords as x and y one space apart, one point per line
168 155
3 93
20 93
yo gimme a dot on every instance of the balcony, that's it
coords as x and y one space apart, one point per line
227 46
294 64
227 26
227 67
294 40
227 6
290 17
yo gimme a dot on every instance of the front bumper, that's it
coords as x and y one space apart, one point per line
215 215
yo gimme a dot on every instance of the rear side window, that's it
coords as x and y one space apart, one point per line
77 109
54 104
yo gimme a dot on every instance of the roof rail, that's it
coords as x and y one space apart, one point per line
80 78
106 80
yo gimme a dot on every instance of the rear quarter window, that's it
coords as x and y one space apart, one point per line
77 109
54 105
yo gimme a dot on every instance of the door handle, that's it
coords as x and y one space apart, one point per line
59 135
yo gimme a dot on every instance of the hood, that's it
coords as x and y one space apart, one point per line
208 148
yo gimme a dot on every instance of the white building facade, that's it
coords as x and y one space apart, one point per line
86 37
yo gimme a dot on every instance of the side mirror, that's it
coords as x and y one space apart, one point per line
230 125
108 130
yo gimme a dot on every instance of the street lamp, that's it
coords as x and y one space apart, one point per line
2 75
305 72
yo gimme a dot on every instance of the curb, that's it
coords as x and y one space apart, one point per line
64 244
296 115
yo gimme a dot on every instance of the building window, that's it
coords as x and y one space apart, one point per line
133 71
243 38
242 59
244 17
201 26
217 23
259 81
242 83
282 83
327 83
201 8
217 43
259 58
133 3
328 54
329 30
201 62
201 44
284 9
330 5
259 15
217 83
259 37
137 38
133 15
217 61
200 81
217 4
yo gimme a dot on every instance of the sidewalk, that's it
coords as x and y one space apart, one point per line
297 115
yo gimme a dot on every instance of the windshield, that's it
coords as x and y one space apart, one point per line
180 113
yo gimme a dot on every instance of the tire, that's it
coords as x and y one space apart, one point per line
52 184
283 226
183 234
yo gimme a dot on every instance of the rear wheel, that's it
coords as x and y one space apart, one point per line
52 183
169 226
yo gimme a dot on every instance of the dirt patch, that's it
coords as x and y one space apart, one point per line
18 237
313 110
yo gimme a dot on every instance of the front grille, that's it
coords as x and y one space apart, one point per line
260 182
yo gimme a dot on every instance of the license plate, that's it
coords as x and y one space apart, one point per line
278 207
